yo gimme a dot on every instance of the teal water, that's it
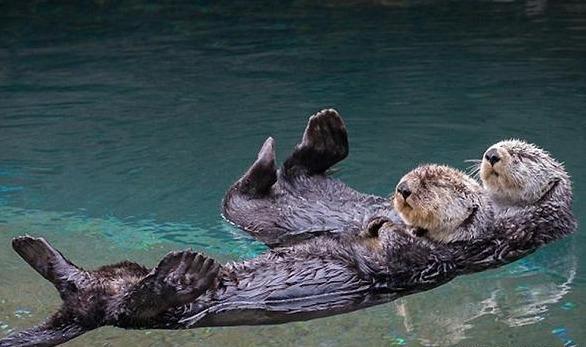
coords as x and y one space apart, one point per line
123 123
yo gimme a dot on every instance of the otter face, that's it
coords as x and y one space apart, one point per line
515 172
440 199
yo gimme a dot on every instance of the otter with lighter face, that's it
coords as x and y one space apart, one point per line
516 173
442 203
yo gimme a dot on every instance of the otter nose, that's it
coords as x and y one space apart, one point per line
492 155
404 190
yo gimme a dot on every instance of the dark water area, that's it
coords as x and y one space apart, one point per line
123 123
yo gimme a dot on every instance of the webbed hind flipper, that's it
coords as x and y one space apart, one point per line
261 176
50 263
67 278
324 143
179 279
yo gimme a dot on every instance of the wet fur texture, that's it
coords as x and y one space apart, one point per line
321 276
448 204
301 200
522 175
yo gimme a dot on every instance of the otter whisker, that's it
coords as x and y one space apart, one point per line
474 169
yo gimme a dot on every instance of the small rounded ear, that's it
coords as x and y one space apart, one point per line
373 226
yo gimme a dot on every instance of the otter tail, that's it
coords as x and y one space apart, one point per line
324 143
66 277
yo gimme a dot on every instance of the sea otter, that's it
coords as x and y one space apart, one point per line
316 278
443 204
322 276
300 203
518 174
301 200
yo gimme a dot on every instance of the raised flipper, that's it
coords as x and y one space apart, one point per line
260 177
324 143
50 263
179 279
300 201
67 278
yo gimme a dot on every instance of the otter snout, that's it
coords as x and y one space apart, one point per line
492 156
404 190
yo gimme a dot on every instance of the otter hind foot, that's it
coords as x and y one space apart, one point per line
187 273
179 279
261 176
47 261
324 143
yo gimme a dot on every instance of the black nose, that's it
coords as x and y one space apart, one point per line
404 190
492 155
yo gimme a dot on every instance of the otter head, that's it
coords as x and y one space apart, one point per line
445 202
517 173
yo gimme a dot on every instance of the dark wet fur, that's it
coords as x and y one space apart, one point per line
345 269
300 200
319 277
125 294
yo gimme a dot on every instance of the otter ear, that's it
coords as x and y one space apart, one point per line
261 176
549 187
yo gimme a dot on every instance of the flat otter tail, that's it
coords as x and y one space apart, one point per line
66 277
260 177
324 143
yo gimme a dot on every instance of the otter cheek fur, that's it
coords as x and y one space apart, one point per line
442 200
517 173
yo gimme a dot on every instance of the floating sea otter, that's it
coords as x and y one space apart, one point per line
315 278
301 200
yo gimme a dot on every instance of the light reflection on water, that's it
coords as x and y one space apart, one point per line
121 126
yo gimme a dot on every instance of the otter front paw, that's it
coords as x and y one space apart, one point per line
374 225
419 232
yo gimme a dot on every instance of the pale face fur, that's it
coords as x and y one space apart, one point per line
521 176
444 201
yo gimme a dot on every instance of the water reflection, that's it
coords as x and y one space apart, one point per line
518 295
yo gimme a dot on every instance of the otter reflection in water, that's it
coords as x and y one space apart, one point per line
520 294
319 277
